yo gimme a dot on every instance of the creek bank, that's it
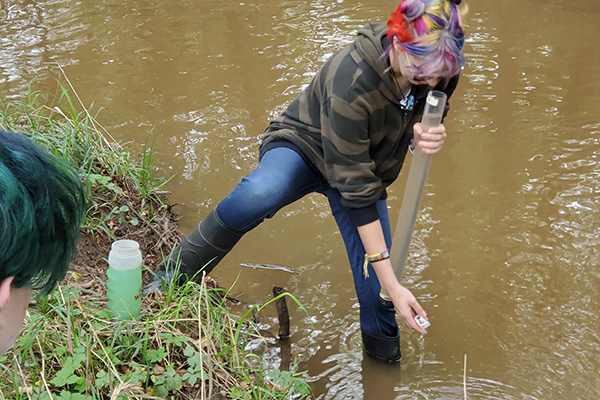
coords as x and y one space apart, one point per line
186 344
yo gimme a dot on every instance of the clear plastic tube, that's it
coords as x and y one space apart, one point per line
415 184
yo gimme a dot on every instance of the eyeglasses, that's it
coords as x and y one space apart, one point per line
417 78
424 78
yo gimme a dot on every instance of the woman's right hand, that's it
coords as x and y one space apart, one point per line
429 142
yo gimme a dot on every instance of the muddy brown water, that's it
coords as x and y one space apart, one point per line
506 248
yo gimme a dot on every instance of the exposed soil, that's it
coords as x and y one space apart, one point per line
156 234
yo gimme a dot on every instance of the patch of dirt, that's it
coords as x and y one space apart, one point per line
156 234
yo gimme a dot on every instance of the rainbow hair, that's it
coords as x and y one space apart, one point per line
42 204
431 29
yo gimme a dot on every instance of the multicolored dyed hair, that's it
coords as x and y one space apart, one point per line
41 209
432 30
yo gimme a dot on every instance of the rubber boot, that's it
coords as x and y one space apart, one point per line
383 348
200 251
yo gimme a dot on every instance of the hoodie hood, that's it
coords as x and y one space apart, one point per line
369 46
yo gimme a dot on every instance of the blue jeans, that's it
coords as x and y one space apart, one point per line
282 177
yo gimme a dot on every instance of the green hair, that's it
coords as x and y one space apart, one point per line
42 204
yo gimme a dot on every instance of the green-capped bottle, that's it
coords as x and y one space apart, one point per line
124 281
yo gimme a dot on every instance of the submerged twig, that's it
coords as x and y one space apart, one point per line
269 266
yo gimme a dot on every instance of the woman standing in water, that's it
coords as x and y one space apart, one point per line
346 136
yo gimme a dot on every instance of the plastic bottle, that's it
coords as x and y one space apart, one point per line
124 281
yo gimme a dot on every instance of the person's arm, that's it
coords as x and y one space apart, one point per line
372 238
405 303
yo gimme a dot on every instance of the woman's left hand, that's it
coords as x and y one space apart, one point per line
407 307
429 142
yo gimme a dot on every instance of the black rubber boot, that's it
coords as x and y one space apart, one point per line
383 348
200 251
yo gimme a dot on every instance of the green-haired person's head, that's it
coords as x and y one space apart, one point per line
41 209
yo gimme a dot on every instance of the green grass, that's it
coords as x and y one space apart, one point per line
186 344
67 128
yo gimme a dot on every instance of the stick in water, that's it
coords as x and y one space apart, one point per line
282 313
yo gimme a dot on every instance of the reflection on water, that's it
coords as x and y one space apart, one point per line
505 252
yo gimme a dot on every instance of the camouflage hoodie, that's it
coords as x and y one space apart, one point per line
349 125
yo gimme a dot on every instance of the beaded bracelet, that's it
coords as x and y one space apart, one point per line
373 258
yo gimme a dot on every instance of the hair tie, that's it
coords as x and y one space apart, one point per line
457 2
